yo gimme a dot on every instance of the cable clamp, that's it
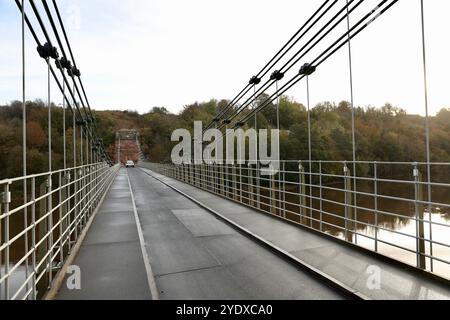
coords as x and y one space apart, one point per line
277 75
47 50
307 69
81 122
63 63
73 72
254 80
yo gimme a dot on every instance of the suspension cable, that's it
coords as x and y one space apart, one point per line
327 53
427 128
70 51
263 71
350 66
309 147
73 71
30 27
49 117
24 139
283 70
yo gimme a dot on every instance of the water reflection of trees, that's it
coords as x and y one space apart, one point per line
391 214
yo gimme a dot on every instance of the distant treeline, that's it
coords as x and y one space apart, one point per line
382 134
386 133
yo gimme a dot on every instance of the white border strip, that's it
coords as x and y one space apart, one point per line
148 267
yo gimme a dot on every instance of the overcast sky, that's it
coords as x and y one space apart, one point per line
137 54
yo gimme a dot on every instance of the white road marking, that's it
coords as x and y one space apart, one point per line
148 267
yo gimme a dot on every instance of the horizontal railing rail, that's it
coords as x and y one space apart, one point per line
360 204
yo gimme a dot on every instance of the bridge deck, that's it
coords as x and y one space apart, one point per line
110 258
344 263
192 254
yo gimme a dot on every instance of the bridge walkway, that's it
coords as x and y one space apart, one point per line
150 242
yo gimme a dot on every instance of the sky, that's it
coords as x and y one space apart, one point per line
137 54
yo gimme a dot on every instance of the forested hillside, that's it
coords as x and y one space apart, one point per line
385 133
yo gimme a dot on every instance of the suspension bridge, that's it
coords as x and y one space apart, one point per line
316 229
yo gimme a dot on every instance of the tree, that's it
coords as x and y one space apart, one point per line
36 137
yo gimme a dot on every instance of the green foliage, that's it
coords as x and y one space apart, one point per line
382 134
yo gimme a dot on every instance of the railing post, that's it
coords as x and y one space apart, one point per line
283 189
83 187
67 207
33 234
234 184
222 177
240 182
302 192
375 191
186 172
349 224
210 173
258 185
227 181
6 200
251 200
420 234
212 177
194 175
61 208
203 176
89 189
217 177
209 170
320 196
75 208
50 229
42 248
273 210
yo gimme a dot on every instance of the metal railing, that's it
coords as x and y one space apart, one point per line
38 234
384 207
